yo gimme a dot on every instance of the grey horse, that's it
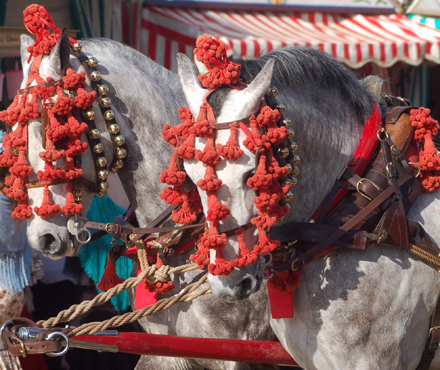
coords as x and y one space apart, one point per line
365 309
145 97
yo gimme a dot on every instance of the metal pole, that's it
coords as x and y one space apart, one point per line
249 351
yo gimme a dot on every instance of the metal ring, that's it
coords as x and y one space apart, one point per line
3 327
291 266
381 131
64 351
263 256
418 168
87 232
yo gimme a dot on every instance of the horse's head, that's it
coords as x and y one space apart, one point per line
57 192
229 105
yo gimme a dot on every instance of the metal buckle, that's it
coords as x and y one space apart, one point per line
418 168
433 328
363 193
291 266
107 228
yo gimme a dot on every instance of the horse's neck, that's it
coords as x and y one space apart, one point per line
145 100
327 142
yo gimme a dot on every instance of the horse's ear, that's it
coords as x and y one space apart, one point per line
192 88
59 56
259 86
25 42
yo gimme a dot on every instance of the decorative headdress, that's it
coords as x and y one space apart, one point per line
221 71
62 125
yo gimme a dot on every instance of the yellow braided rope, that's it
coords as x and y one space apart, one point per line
414 249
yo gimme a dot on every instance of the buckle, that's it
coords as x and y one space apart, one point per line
430 330
362 192
107 228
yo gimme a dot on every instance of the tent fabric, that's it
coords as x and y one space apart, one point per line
428 21
354 39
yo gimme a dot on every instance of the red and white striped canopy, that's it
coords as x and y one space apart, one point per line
352 39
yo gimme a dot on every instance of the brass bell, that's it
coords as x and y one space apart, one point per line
113 128
280 220
286 122
280 107
288 196
105 102
95 76
283 152
294 160
116 165
101 162
120 140
293 147
272 92
291 181
289 168
103 174
14 151
109 115
78 199
121 153
295 171
103 89
98 148
288 206
92 62
90 115
103 186
94 133
291 134
101 194
77 47
294 182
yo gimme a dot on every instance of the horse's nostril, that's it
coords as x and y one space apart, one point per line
246 285
49 243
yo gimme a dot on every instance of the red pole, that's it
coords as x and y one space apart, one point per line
250 351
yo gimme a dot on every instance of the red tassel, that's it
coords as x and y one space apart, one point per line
261 180
231 150
71 208
285 282
172 176
109 278
22 211
47 209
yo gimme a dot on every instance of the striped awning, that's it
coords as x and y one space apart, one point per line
353 39
428 21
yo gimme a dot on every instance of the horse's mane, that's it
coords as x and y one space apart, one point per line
135 58
306 69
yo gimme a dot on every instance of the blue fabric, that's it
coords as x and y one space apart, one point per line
15 253
93 256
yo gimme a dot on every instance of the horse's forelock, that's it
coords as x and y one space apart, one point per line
217 98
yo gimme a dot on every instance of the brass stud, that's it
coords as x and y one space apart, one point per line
291 181
286 122
90 115
77 47
103 89
294 160
120 140
98 148
113 128
103 186
94 133
95 76
295 171
288 196
92 62
109 115
105 102
280 107
78 199
101 194
103 174
283 152
280 220
101 162
121 153
116 165
272 92
290 134
14 151
293 147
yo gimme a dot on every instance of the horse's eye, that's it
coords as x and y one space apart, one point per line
247 175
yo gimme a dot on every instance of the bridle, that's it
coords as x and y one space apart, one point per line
101 166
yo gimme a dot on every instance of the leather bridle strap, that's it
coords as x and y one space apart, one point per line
311 253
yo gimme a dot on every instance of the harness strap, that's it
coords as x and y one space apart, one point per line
311 253
432 341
